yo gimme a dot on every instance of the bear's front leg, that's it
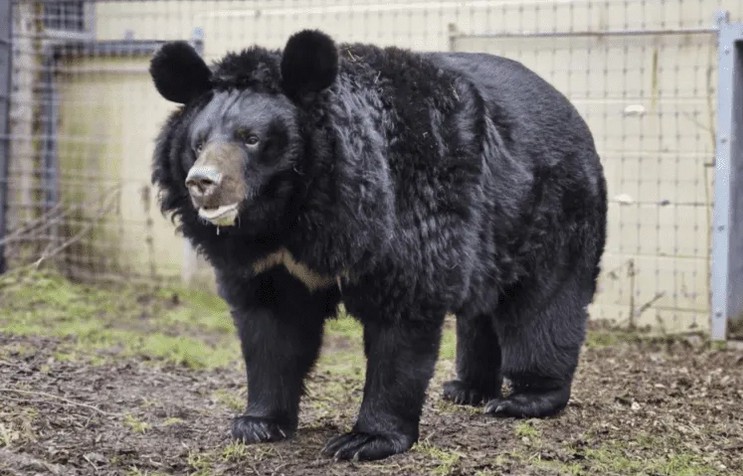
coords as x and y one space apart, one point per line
278 354
280 332
400 362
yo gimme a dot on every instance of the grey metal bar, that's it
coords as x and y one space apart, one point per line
109 48
6 25
727 245
197 40
49 156
580 34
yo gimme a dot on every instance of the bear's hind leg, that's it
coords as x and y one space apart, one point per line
540 353
478 362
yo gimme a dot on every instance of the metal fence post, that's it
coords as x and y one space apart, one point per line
727 233
197 40
190 268
6 23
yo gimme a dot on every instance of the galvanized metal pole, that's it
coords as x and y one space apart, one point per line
190 266
6 24
727 232
197 40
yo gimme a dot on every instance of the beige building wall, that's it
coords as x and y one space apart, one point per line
649 99
108 118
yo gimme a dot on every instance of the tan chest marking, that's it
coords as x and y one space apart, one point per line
312 280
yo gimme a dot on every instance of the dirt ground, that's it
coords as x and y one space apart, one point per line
87 386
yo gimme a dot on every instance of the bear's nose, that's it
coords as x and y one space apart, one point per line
203 181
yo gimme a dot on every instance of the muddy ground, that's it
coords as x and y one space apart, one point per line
136 381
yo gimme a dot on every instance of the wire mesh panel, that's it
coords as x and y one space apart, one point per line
81 138
84 116
643 76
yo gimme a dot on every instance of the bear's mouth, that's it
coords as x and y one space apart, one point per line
224 215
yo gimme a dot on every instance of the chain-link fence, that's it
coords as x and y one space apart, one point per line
83 116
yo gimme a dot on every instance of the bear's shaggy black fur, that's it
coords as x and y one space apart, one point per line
407 185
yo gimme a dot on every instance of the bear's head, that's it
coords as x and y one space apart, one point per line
231 154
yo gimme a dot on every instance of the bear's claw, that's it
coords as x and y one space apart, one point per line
250 429
460 393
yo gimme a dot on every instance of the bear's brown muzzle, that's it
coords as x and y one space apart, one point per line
216 182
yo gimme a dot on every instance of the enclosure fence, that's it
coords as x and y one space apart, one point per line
79 115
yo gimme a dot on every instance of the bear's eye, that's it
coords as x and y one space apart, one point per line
198 147
247 138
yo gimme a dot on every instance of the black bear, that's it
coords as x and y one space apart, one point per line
407 185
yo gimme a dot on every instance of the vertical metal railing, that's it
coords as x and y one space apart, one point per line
727 233
6 23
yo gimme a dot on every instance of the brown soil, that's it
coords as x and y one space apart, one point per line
639 407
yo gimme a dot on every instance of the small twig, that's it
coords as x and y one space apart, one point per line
80 234
252 467
57 397
42 222
85 457
638 312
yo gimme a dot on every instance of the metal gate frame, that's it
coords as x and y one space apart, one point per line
6 24
727 233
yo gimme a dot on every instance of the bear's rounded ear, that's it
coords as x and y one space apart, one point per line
309 63
179 73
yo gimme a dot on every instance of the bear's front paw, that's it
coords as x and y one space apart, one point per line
461 393
359 446
250 429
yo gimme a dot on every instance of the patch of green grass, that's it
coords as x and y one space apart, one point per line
20 350
597 339
558 467
643 454
72 355
230 399
526 429
718 345
173 421
193 330
8 434
448 348
208 461
186 351
340 369
24 328
444 406
351 363
200 463
347 360
611 458
199 310
447 459
344 326
234 452
135 424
